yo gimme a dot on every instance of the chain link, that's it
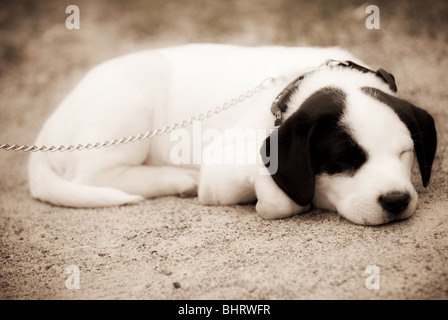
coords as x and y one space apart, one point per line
148 134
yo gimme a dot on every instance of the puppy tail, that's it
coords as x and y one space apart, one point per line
47 186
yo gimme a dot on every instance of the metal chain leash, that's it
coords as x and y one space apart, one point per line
148 134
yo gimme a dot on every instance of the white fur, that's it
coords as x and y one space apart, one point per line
390 149
151 89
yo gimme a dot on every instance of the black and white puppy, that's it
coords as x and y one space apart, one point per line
346 142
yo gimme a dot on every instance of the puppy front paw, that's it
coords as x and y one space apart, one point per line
187 184
273 203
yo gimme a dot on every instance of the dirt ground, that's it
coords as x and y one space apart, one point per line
173 248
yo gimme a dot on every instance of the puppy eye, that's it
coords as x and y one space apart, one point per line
405 152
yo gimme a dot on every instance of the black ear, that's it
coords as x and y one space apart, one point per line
421 125
287 153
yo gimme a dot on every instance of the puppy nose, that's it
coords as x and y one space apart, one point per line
394 202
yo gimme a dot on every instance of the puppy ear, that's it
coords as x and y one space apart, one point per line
288 152
421 126
423 131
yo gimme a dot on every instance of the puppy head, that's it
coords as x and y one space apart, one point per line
353 152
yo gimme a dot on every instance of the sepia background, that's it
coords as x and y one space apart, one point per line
172 248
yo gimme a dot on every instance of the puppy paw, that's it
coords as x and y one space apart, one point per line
187 185
190 192
272 202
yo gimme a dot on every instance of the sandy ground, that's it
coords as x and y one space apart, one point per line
172 248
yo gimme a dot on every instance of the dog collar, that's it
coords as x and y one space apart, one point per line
279 104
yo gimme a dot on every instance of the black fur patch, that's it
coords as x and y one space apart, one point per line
335 151
313 141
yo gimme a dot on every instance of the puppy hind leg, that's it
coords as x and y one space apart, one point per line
151 181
